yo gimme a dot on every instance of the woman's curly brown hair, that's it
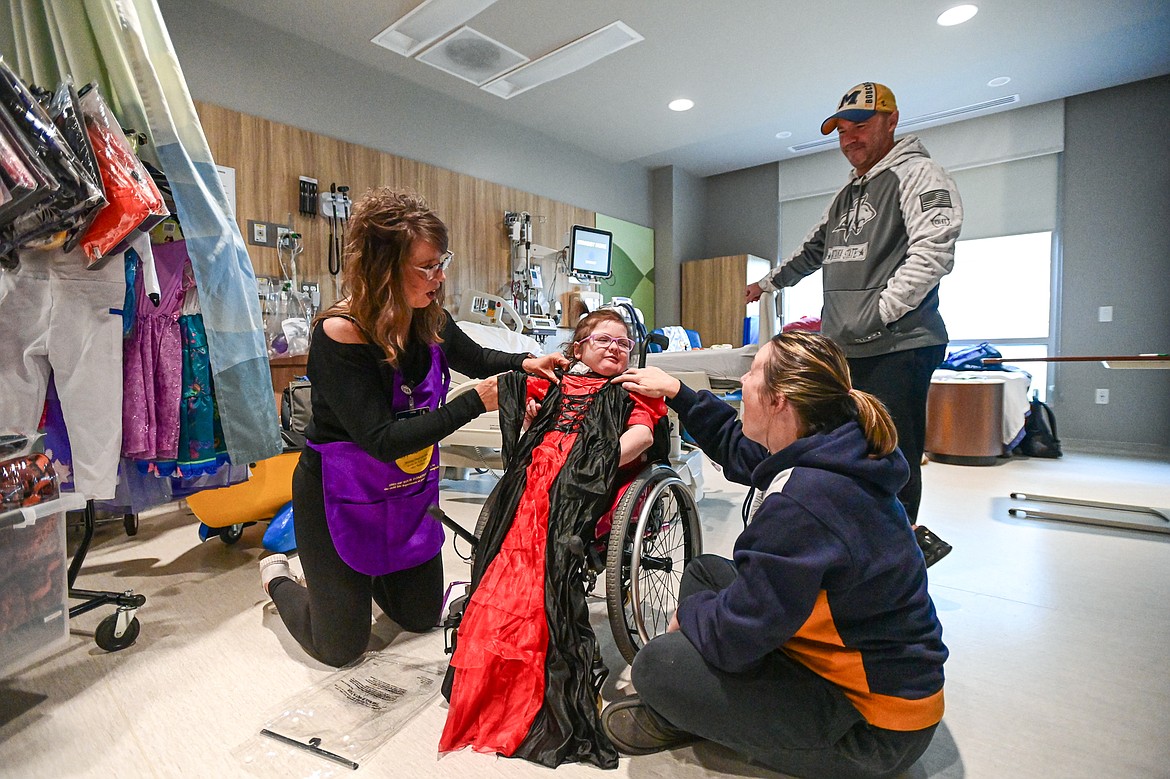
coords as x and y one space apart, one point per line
385 225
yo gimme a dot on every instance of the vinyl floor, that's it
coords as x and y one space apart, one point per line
1059 636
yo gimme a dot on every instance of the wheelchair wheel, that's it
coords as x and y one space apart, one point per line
481 522
656 532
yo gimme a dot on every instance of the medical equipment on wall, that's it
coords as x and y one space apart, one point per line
487 309
295 309
527 285
336 205
590 254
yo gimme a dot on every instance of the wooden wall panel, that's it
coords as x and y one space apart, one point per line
269 158
712 298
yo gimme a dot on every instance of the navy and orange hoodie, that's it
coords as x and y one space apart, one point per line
829 571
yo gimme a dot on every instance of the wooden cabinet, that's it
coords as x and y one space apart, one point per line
712 296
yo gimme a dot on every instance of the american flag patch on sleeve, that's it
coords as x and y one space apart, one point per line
936 198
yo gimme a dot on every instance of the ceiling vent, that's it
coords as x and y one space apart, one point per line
472 56
567 59
426 23
917 120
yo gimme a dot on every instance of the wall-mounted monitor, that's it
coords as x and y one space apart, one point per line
590 253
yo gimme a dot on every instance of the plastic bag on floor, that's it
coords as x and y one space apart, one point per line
335 726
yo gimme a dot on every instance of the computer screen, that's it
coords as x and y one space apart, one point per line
590 252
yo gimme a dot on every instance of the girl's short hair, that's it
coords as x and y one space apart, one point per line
588 323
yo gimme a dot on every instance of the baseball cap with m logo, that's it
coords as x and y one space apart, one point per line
860 103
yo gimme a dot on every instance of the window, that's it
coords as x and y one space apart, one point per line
999 291
805 298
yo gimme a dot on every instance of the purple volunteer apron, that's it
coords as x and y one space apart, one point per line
377 511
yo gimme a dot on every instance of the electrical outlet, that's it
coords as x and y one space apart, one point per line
1104 313
1102 396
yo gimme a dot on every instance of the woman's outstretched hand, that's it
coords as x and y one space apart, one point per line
489 393
651 382
545 366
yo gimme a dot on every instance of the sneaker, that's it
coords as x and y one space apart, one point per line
273 567
636 730
933 548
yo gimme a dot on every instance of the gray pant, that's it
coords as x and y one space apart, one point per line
782 716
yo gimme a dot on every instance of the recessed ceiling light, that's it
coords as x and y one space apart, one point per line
784 134
957 15
682 104
999 81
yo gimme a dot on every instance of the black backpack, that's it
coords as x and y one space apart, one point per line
295 412
1040 432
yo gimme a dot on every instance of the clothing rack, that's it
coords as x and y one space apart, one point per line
120 629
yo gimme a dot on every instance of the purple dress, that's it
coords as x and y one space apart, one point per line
153 361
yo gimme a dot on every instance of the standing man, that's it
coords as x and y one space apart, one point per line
884 243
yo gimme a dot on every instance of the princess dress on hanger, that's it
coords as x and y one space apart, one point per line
153 359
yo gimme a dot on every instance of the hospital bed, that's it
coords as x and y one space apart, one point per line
722 368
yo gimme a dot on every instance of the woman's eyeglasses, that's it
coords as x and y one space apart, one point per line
430 271
606 341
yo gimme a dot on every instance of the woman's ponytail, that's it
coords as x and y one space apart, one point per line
876 423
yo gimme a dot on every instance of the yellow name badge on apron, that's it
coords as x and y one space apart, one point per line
416 462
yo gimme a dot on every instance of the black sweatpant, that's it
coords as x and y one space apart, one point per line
901 380
782 716
330 617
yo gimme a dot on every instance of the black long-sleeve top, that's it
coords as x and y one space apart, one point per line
352 387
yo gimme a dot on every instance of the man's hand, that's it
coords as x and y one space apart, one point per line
651 382
752 293
543 366
673 626
489 393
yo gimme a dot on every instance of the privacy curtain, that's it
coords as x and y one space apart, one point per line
124 46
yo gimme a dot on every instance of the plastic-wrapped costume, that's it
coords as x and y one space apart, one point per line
527 668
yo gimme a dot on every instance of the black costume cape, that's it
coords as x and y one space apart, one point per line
568 727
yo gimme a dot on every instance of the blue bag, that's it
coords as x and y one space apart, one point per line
970 358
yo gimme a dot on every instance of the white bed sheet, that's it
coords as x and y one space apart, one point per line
723 365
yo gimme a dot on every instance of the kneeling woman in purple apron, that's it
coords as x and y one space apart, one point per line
378 365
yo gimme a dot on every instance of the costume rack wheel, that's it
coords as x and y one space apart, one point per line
656 531
120 629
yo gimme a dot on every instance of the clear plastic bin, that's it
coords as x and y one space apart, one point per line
34 594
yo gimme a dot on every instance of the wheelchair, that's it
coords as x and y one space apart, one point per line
654 531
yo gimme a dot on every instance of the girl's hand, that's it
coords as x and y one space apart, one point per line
530 412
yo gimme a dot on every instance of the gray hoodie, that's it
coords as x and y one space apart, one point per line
884 243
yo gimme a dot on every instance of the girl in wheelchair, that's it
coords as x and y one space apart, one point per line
526 671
